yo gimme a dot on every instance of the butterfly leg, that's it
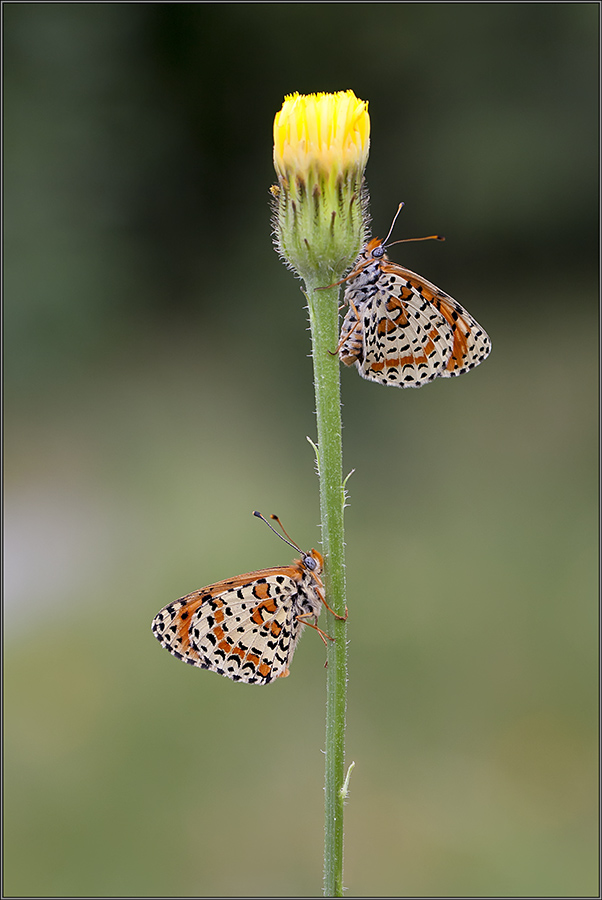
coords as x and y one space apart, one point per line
347 336
336 615
323 635
327 287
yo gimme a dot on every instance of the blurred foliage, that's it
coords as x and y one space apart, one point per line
158 389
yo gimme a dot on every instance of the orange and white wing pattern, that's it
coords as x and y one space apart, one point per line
471 344
402 330
247 627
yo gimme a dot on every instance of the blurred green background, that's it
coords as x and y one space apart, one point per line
158 389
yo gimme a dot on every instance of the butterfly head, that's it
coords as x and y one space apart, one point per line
314 561
374 250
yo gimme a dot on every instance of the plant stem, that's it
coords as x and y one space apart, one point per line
324 320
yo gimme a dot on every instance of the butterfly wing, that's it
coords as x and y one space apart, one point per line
408 331
400 338
245 628
471 343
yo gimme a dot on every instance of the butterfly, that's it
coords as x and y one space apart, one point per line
402 330
247 627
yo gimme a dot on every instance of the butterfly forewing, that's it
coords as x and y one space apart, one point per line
245 628
402 330
471 344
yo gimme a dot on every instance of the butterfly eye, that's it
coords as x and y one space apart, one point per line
378 252
310 563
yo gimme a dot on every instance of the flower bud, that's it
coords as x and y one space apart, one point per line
321 144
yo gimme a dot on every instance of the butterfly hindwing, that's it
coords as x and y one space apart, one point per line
401 338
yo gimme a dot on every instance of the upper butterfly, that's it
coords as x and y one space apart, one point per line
246 627
402 330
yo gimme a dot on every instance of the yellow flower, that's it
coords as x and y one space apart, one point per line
321 145
329 131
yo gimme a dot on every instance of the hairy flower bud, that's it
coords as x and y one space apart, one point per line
321 144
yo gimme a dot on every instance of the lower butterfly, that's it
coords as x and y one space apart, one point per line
402 330
247 627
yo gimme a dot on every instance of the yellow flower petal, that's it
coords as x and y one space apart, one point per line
322 131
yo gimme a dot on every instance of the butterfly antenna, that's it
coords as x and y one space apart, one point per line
430 237
274 516
399 208
286 539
